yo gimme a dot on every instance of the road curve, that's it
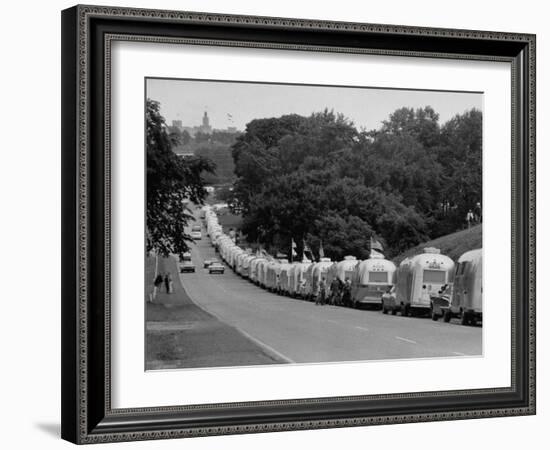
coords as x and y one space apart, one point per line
298 331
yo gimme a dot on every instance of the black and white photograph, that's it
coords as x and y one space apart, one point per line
300 224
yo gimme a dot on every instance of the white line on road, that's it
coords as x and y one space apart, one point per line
261 344
410 341
460 354
362 328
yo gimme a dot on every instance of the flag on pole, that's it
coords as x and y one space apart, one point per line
376 245
293 247
307 251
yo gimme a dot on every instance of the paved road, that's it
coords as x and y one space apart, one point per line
182 335
301 332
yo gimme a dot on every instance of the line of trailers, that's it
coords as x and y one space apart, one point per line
426 284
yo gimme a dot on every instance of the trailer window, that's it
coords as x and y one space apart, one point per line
378 277
434 276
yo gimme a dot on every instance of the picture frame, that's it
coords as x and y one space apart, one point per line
87 35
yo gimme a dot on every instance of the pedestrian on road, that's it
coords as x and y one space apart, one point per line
321 296
346 294
334 291
158 281
168 282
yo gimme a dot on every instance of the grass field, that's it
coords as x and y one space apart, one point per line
453 245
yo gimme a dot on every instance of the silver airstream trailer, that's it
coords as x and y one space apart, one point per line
306 287
254 269
417 280
262 273
272 272
234 254
297 278
283 284
342 269
371 279
245 265
319 271
239 262
466 297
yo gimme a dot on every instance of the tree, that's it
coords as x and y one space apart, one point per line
460 155
320 179
172 181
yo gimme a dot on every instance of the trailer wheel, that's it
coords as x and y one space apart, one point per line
447 316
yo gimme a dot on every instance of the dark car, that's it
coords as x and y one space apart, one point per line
187 266
216 267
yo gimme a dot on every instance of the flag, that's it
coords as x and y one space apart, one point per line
321 251
376 245
307 251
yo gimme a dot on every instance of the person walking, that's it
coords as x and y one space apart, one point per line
334 291
157 283
167 282
321 296
346 293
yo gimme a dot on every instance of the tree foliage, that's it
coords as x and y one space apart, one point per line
321 180
172 181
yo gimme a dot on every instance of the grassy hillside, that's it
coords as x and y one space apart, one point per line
452 245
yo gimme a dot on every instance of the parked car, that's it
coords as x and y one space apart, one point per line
208 262
216 267
187 266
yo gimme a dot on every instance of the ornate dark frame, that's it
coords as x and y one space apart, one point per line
87 32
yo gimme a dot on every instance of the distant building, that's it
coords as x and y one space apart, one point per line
205 128
187 149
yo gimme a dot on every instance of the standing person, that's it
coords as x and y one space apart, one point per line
469 217
167 281
346 294
334 291
321 297
158 281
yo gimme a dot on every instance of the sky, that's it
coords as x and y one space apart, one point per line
234 104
